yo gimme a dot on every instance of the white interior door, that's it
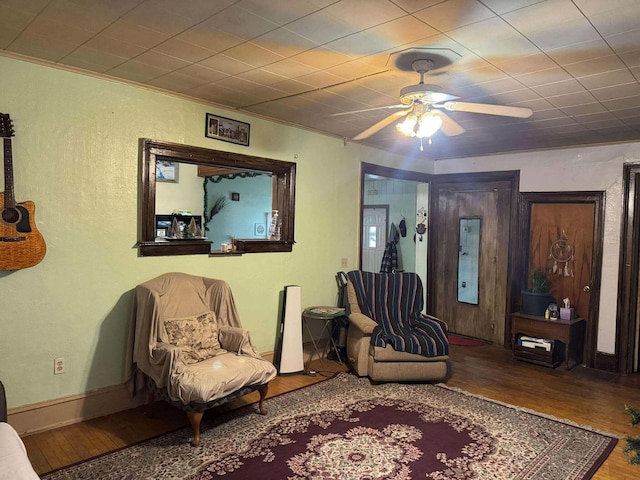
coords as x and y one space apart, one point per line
374 236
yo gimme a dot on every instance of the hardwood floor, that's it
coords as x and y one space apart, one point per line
586 397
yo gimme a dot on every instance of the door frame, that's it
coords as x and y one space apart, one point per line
388 172
629 265
524 232
466 181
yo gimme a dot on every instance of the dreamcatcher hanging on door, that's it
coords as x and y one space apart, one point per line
561 259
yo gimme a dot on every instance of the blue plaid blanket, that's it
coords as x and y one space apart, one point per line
394 301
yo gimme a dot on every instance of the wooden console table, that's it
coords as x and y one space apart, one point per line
570 332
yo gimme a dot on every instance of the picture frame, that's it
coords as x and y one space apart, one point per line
259 230
227 129
167 171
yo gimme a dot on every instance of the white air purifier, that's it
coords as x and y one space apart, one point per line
289 356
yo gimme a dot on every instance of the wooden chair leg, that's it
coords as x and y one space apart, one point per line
263 389
194 420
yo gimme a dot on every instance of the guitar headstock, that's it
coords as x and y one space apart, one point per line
6 126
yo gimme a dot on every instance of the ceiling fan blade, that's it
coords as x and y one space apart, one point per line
520 112
381 124
449 126
368 110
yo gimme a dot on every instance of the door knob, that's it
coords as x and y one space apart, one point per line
586 288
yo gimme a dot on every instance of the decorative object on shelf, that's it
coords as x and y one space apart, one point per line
274 226
167 171
566 312
536 300
561 257
227 129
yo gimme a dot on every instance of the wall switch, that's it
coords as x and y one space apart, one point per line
344 263
58 365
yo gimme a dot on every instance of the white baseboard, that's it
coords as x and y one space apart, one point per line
58 412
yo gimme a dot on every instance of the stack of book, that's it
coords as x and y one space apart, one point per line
533 342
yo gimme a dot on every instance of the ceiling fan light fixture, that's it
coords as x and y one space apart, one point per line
408 126
428 125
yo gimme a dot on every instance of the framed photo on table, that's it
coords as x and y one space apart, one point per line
227 129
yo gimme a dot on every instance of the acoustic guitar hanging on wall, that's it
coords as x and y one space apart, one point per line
21 244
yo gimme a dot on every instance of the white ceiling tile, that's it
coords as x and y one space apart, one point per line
321 27
504 6
226 64
240 23
260 76
607 79
580 52
160 60
200 72
592 67
542 77
453 14
571 99
363 14
321 58
282 12
253 54
284 42
625 41
112 46
136 71
87 56
207 36
290 68
183 50
617 91
176 82
134 34
493 39
559 88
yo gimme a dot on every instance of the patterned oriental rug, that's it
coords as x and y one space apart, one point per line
345 428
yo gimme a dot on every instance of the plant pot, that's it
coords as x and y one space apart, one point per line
535 303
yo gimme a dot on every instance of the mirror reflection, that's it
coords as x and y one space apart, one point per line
199 201
469 260
224 203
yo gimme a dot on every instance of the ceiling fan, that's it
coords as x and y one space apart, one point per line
422 106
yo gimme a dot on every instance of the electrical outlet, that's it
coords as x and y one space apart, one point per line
344 263
58 365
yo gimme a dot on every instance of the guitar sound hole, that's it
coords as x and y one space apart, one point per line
10 215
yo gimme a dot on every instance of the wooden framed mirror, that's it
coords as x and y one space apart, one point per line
194 164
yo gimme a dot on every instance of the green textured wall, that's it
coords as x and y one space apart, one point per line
76 156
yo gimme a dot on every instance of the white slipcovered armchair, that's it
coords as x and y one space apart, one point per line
191 348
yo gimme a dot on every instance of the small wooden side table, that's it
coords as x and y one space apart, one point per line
570 332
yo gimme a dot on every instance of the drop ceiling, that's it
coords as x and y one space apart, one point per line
575 63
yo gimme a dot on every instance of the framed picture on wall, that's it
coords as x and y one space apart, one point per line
166 171
227 129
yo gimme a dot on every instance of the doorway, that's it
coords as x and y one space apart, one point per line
562 233
628 318
470 232
375 219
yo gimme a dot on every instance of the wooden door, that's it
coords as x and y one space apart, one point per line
543 218
492 205
374 236
561 243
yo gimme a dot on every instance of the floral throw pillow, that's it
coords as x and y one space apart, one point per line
197 335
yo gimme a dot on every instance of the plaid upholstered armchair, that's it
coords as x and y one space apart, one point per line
388 338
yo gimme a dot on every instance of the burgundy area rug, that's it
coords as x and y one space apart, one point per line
345 428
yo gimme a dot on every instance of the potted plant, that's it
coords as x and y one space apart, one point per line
536 299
